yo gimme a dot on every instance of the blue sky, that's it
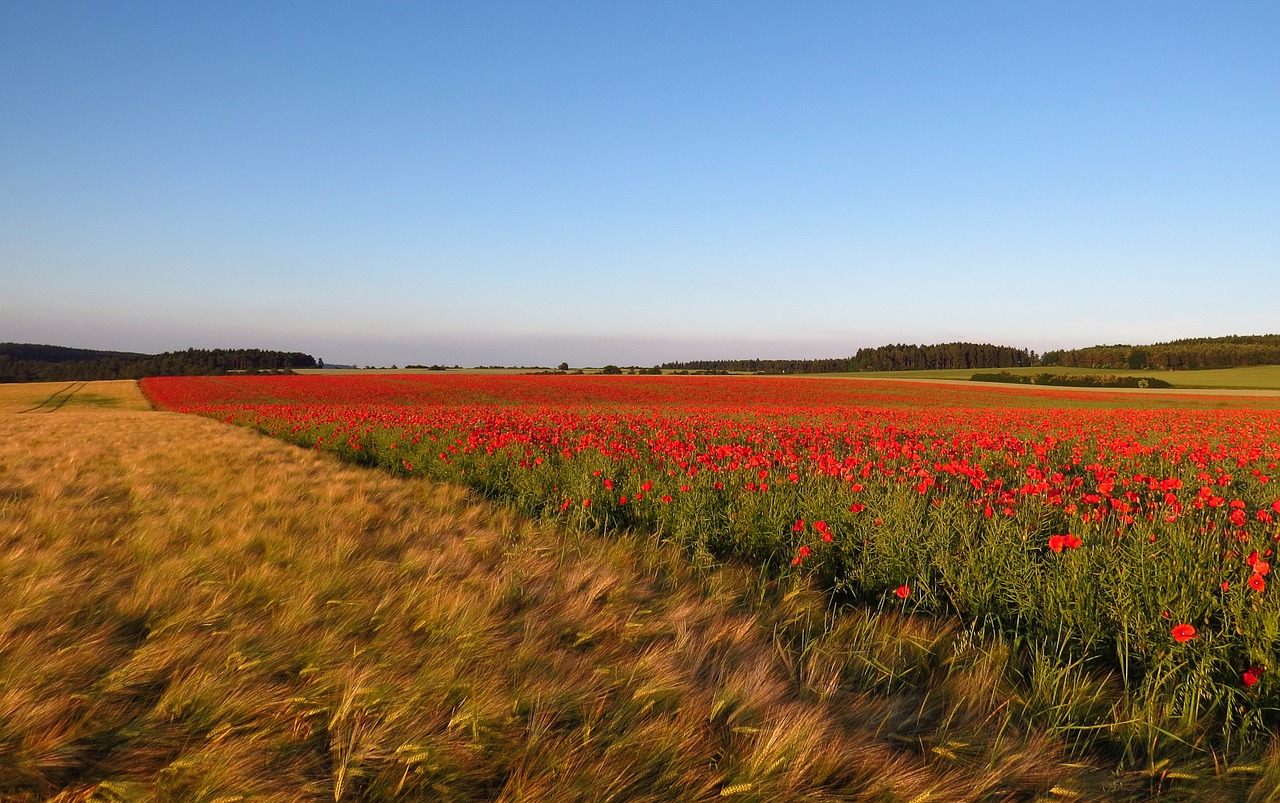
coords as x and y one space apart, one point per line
634 182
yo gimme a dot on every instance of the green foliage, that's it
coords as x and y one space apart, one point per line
1190 353
24 362
900 357
1073 380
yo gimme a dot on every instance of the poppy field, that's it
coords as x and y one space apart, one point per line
1124 542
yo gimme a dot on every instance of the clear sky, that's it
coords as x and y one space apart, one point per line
633 182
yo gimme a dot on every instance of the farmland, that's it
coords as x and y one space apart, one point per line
697 588
1125 540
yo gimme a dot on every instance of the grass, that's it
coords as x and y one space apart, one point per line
192 611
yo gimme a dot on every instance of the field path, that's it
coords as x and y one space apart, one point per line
57 398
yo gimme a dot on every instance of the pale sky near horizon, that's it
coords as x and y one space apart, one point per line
635 182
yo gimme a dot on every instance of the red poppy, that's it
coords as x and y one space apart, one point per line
1183 633
903 591
804 553
1252 674
1057 543
1257 583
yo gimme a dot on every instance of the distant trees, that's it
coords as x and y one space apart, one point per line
1203 352
1192 353
899 357
27 362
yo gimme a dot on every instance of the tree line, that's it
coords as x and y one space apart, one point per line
29 362
1234 351
897 357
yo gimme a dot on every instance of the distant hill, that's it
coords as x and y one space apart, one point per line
899 357
1234 351
30 362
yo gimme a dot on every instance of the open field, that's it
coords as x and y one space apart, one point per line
1047 521
195 612
251 620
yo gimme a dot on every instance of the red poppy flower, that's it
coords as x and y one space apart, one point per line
1183 633
1252 674
1257 583
903 591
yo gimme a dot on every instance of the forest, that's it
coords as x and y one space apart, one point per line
900 357
1235 351
28 362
